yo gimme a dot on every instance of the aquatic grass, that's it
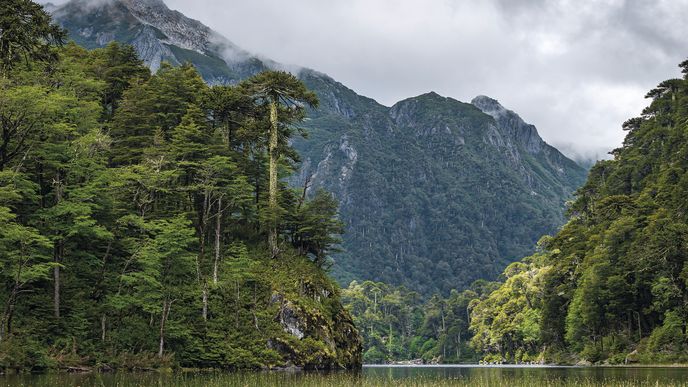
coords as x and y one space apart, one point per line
475 377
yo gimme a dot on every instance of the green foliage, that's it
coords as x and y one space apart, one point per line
507 322
131 235
398 325
670 337
27 34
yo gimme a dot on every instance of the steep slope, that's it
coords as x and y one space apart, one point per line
158 34
435 193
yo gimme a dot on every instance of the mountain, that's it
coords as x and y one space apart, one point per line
158 34
435 193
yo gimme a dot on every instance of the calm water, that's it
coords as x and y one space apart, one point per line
379 376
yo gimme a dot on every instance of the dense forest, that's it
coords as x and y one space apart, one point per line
144 221
610 287
399 325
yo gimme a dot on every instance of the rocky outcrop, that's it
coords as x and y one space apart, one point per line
523 138
153 29
511 124
313 338
177 28
151 50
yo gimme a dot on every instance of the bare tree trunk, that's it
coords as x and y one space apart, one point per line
238 298
202 228
5 326
166 305
102 327
56 279
640 330
205 301
272 150
458 346
253 307
218 230
444 328
58 251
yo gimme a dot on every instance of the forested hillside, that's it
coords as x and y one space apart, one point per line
612 285
143 222
399 325
427 187
432 186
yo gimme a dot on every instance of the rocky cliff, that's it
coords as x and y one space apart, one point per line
158 34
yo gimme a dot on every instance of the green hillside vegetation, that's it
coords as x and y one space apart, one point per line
429 187
612 285
134 217
399 325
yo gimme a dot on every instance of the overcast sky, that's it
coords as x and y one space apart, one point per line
576 69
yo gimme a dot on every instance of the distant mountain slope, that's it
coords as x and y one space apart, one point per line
435 193
158 34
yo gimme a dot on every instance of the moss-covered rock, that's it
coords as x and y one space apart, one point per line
316 335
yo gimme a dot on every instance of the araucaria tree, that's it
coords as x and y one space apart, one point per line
26 34
286 98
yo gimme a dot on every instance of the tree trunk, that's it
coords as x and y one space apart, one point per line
205 302
102 327
6 322
238 298
640 330
58 252
166 305
218 230
272 150
200 258
444 327
56 279
458 347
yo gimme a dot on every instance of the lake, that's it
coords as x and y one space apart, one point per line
459 375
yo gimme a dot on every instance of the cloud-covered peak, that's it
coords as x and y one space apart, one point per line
488 105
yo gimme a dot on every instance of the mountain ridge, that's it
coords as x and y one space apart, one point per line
407 176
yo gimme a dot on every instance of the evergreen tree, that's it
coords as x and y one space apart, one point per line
26 34
285 95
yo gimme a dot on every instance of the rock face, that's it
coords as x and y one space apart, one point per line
158 34
526 139
340 345
435 193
